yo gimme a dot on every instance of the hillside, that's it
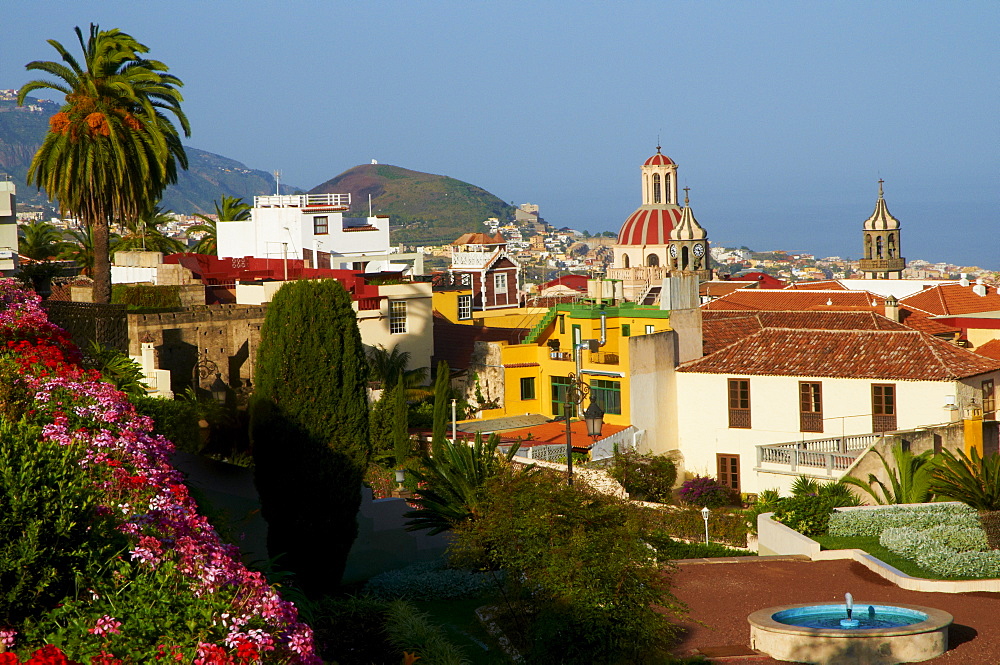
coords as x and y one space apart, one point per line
209 176
424 208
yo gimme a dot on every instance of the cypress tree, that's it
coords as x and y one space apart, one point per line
309 430
442 388
400 426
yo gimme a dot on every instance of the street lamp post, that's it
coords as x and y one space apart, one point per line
704 515
205 368
576 393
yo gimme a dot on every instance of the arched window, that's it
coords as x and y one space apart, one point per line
868 246
685 258
657 197
878 248
625 261
892 246
666 183
652 260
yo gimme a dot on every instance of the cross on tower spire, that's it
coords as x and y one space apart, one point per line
686 199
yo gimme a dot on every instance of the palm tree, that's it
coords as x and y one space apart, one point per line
229 209
390 367
81 248
909 482
143 234
40 241
975 481
111 149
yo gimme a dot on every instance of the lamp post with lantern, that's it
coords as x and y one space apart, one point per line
576 392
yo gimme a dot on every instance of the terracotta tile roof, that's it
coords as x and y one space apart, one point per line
990 349
555 432
891 355
798 300
823 284
479 239
719 288
953 299
722 328
919 320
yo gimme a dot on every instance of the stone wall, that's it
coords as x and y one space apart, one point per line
226 336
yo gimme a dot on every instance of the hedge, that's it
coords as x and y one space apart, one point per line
688 524
874 522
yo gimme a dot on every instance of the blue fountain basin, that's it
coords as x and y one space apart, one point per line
832 616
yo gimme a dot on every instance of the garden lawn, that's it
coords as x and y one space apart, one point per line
871 545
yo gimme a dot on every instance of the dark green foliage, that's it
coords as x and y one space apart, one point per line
117 369
706 492
50 531
645 478
144 296
668 548
350 630
380 421
453 483
177 420
975 481
388 368
402 445
909 481
442 388
309 429
724 527
809 515
578 560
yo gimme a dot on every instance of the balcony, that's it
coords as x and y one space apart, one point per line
303 201
471 259
882 265
834 455
604 358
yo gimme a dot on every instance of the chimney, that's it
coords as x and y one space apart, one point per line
980 288
965 280
892 309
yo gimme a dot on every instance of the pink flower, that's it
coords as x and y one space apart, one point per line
106 625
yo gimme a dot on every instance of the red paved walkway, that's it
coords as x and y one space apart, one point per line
722 595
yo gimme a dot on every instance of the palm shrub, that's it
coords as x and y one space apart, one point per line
909 481
309 429
451 483
975 481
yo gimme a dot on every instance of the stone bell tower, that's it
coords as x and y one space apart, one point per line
882 256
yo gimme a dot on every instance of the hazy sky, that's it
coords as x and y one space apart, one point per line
781 115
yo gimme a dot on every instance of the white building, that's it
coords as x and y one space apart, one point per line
8 227
312 227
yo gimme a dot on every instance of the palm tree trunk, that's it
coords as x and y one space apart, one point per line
990 521
102 262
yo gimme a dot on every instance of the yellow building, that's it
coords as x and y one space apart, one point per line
455 304
531 377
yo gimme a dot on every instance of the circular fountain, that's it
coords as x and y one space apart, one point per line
870 634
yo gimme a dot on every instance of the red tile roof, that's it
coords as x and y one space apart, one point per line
990 349
953 299
722 328
892 355
479 239
719 288
659 159
797 300
555 432
824 284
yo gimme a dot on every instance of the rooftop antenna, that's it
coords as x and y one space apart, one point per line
277 182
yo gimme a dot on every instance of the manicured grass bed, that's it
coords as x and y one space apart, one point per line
871 545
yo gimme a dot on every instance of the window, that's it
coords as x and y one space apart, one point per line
562 324
810 406
577 337
500 282
626 329
608 394
883 407
989 400
656 188
560 388
625 261
739 403
397 316
650 330
528 387
729 471
652 260
466 279
465 307
321 225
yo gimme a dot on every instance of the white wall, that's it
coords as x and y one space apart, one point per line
702 415
418 340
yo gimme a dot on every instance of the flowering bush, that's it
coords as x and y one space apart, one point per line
177 592
704 491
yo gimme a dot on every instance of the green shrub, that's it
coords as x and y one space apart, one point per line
668 548
177 420
411 630
431 580
929 550
809 515
51 535
351 630
645 478
144 296
687 523
873 522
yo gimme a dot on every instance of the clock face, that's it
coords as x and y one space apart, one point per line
699 250
673 251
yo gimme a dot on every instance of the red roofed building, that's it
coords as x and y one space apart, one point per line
972 309
481 261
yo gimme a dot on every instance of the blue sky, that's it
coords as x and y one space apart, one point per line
781 115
